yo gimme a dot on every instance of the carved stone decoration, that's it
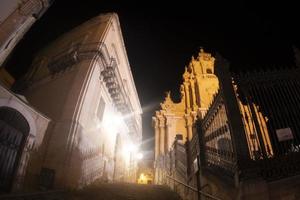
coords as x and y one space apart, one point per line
168 104
197 91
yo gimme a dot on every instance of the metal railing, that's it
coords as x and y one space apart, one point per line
193 189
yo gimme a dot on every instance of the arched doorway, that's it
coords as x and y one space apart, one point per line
14 130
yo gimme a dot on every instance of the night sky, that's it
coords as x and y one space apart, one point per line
160 39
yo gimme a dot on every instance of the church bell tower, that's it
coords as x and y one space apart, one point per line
201 83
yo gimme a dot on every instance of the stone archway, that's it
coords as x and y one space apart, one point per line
14 129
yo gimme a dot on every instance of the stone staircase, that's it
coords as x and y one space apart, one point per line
48 195
124 191
103 191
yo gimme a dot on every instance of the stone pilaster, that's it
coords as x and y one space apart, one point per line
189 124
162 135
167 134
156 136
198 95
194 103
187 96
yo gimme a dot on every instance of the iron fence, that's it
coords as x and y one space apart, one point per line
252 127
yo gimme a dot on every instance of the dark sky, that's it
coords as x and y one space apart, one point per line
161 37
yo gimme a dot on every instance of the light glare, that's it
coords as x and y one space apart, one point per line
139 156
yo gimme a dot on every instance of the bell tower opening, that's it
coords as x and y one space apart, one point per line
208 71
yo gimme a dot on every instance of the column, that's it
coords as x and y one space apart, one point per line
156 135
167 134
198 95
194 104
187 95
162 135
189 125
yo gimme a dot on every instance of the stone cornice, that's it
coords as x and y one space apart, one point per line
115 16
34 7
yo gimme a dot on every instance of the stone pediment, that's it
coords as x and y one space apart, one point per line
170 106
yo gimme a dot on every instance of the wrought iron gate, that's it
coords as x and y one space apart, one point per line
14 130
252 128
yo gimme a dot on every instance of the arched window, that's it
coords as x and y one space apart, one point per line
14 130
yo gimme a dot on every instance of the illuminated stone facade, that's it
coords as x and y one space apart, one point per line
16 17
197 90
83 82
239 142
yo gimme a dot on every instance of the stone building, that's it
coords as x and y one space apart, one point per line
21 141
16 18
242 142
82 81
197 90
22 127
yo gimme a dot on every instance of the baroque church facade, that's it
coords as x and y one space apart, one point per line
232 135
197 91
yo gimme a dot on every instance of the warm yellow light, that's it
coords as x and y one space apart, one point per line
145 178
142 179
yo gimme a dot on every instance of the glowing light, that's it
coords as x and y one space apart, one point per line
145 178
139 156
130 151
132 148
112 122
114 119
142 179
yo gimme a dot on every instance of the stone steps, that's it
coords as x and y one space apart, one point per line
124 191
49 195
100 191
